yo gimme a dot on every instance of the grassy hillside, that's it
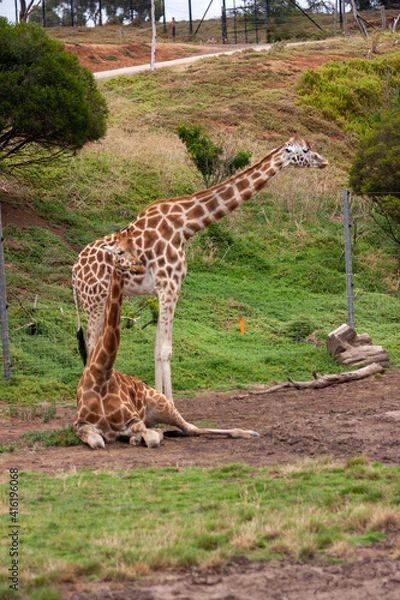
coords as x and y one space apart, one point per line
277 262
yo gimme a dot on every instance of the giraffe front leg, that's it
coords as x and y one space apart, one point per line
89 434
163 348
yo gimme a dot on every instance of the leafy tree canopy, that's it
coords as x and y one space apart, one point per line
375 170
58 12
208 157
47 99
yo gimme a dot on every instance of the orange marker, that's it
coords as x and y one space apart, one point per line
241 325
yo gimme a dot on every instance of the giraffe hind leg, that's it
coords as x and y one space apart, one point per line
89 434
198 431
162 410
232 433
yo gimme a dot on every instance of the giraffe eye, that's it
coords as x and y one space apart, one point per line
120 252
305 150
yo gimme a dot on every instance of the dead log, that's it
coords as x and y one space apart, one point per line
349 348
395 23
323 381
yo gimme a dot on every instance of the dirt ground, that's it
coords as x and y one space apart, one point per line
340 422
105 57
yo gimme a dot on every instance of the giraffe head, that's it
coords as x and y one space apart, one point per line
297 152
124 253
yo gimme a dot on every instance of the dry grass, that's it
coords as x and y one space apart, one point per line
156 150
371 517
340 549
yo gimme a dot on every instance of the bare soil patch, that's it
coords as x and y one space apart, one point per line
341 422
105 57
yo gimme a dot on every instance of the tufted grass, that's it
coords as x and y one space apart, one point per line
109 525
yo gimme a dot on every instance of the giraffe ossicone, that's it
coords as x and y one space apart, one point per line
160 233
112 405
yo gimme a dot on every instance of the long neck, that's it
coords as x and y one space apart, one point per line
208 206
102 358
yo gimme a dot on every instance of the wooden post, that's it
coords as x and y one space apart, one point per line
358 20
153 36
383 18
344 17
3 310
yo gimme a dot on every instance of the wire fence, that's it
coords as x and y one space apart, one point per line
218 318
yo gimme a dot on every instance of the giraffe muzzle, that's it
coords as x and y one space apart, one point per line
323 164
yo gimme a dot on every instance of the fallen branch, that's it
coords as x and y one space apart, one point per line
26 311
323 381
395 23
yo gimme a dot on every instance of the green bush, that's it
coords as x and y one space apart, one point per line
352 91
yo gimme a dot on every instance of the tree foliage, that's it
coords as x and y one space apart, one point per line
47 100
127 10
58 12
208 157
280 10
375 170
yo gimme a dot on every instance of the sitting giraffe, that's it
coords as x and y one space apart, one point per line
111 404
161 232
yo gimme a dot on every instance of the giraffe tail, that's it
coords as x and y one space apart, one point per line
80 336
174 433
82 345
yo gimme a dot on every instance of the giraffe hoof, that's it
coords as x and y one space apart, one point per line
254 434
136 440
96 442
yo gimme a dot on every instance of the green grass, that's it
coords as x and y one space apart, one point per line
281 272
290 291
61 438
116 525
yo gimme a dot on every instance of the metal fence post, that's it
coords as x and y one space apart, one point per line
3 310
347 249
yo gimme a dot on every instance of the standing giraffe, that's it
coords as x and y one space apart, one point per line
111 404
161 232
